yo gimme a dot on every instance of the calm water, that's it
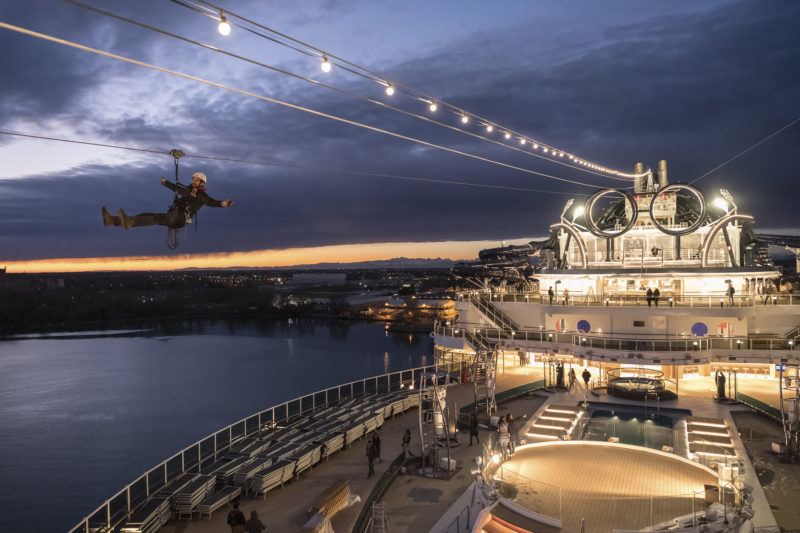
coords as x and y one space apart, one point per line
83 415
651 428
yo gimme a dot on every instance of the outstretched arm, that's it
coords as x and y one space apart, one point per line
168 184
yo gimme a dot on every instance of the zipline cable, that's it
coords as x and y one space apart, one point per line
330 87
213 11
301 167
737 156
65 42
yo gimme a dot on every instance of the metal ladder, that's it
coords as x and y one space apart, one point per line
379 523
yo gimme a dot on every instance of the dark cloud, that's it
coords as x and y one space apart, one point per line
694 89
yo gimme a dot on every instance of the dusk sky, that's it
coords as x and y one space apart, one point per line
612 82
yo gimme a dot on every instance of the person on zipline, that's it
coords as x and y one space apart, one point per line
190 199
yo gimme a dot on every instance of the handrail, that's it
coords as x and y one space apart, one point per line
457 520
688 345
199 454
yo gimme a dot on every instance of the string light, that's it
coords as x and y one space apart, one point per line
535 146
508 135
433 107
489 128
326 65
464 119
522 140
224 26
389 90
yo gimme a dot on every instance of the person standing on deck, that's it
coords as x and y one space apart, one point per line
254 525
236 519
503 437
656 296
371 456
407 443
571 378
551 294
376 443
586 377
473 428
512 433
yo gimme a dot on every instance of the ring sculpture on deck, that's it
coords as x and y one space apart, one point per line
592 225
701 216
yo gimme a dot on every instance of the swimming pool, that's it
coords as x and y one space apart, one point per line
632 424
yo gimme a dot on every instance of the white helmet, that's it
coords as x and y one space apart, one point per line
200 176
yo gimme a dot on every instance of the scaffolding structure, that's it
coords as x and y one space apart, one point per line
434 420
379 523
484 378
790 408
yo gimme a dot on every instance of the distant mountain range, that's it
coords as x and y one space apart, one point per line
394 263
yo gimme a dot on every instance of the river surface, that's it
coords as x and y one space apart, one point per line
82 414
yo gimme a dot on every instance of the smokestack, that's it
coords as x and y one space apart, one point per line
640 185
662 173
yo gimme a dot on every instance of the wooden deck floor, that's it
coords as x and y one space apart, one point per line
610 486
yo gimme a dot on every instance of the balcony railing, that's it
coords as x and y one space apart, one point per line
581 299
624 343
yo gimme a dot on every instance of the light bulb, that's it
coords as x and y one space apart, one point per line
535 146
489 128
433 107
544 150
508 135
722 204
561 154
389 90
464 119
224 27
521 140
326 65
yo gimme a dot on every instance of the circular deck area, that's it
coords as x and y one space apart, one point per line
612 486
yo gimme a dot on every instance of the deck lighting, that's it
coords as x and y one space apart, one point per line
389 90
721 203
790 342
496 458
224 27
464 119
326 65
433 107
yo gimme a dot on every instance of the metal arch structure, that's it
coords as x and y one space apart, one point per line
701 216
592 225
573 231
718 225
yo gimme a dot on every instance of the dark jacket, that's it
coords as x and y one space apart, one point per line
190 200
236 518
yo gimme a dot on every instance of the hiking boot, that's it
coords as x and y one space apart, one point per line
124 220
108 220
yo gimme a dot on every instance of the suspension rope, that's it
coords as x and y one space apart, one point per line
335 89
737 156
214 11
301 167
281 102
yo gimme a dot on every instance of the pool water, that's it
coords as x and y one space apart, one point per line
652 428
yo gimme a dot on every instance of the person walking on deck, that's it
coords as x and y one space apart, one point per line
571 377
370 456
376 443
512 433
254 525
473 428
407 443
503 437
586 377
236 519
551 294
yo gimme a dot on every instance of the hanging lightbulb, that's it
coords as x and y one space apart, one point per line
224 26
545 150
561 154
535 146
521 140
389 90
464 119
489 128
433 107
326 65
508 135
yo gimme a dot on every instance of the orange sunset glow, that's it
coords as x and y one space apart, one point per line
343 253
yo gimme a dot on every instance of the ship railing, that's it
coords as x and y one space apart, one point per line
586 299
640 343
207 450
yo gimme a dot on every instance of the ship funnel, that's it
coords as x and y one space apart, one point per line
640 185
662 173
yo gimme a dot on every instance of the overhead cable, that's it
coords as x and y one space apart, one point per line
330 87
65 42
290 165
